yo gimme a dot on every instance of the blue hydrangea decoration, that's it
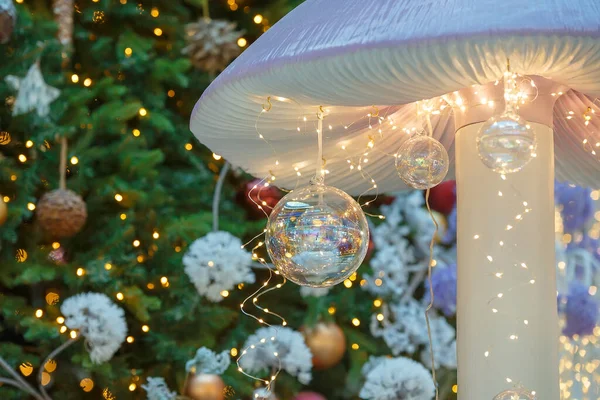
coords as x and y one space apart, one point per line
577 207
581 311
443 282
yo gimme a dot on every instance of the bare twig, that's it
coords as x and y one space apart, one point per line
22 382
11 382
51 356
415 282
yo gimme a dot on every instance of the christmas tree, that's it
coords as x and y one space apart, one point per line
127 247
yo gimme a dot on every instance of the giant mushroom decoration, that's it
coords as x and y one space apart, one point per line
370 64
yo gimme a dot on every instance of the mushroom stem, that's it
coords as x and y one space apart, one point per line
507 314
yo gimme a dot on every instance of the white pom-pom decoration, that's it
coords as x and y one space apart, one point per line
293 354
99 321
157 389
396 378
216 263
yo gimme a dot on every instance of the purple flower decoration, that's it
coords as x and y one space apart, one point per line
443 281
581 311
577 205
450 234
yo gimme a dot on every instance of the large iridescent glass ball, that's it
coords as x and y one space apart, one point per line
506 143
422 162
517 393
317 236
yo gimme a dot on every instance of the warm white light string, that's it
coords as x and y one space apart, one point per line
429 271
518 91
263 289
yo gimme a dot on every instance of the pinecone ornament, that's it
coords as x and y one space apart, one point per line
8 16
61 213
212 44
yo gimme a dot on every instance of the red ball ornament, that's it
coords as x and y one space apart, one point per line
309 396
255 194
442 197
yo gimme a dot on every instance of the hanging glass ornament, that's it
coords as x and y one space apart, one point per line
422 162
505 142
317 235
517 393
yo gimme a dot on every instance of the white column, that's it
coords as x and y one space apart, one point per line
517 343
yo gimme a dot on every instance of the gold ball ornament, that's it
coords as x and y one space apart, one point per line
204 387
3 212
327 343
61 213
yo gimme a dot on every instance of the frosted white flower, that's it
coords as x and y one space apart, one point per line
207 361
443 336
306 291
391 267
406 216
293 354
397 379
157 389
217 262
403 328
99 321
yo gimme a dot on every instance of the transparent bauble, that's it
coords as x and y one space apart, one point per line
422 162
506 143
317 236
518 393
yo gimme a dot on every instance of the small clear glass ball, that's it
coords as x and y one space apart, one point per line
516 394
317 236
422 162
506 144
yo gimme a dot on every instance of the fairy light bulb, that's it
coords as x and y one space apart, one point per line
422 162
317 235
506 143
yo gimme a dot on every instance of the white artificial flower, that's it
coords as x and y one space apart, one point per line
402 246
406 216
443 336
207 361
157 389
306 291
403 328
292 353
217 262
391 267
397 378
99 321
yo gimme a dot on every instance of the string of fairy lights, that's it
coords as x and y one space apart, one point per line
382 125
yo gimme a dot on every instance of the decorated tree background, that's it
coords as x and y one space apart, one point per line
130 285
